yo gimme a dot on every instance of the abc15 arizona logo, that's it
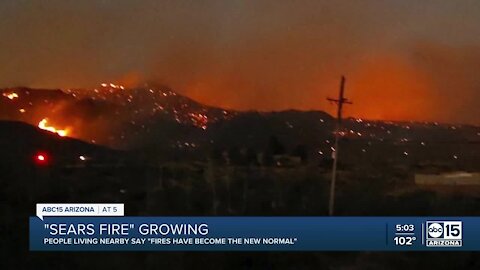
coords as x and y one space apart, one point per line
444 233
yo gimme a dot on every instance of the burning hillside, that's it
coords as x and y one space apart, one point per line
43 124
158 118
110 114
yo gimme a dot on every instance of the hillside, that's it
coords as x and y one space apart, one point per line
162 122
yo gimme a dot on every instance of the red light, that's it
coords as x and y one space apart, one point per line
41 158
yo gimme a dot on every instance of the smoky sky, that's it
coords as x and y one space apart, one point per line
404 60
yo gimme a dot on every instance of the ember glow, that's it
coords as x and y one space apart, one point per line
199 120
11 96
112 85
43 125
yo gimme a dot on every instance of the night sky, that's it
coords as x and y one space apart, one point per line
404 60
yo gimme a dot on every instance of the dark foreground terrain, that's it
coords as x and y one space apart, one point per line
223 182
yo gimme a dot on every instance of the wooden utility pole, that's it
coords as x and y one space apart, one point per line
340 101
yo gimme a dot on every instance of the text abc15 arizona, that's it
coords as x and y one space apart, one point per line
444 234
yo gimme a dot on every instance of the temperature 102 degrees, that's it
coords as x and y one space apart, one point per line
404 235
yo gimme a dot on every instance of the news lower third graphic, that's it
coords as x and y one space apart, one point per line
104 227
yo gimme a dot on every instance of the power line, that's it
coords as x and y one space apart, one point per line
340 101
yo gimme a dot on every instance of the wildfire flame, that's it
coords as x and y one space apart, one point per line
10 96
112 85
43 125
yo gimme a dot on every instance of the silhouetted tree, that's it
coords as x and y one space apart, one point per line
216 155
235 156
251 157
275 147
301 152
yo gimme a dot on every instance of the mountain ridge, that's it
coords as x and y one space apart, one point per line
129 118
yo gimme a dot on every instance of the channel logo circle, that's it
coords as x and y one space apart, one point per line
435 230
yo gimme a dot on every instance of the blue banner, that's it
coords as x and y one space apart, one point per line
254 233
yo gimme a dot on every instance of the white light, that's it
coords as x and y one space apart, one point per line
82 158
